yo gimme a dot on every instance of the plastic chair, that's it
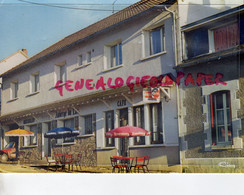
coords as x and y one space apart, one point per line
77 161
117 163
68 160
50 161
140 164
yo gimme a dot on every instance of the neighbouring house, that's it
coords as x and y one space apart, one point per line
99 78
9 63
211 89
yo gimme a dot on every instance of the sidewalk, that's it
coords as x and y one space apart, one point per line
35 168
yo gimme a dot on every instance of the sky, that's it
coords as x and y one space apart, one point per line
37 24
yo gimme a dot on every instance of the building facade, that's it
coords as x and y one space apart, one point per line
210 79
113 73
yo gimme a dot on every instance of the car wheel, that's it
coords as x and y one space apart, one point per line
4 158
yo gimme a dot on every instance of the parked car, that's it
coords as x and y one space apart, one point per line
9 152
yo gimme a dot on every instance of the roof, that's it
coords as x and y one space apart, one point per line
73 39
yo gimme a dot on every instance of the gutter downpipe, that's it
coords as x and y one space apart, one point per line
177 87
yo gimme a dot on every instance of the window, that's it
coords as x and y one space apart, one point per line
197 42
14 89
113 54
79 60
211 39
116 55
221 124
90 123
156 123
33 139
138 113
109 125
157 40
226 37
88 56
60 72
35 82
71 124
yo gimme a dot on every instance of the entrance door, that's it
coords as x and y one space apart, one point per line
123 121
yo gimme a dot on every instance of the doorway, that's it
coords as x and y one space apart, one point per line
123 121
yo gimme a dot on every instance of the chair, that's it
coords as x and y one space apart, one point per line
146 162
117 163
59 160
140 164
50 161
68 160
77 161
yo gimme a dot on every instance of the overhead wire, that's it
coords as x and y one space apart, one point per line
67 7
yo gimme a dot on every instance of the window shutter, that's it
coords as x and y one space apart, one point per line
226 37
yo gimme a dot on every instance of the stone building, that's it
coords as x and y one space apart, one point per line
210 79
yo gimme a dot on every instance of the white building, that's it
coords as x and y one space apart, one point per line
84 81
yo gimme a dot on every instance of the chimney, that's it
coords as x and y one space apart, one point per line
24 50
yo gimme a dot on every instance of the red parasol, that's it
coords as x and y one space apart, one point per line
127 131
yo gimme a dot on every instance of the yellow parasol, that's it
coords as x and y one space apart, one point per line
19 132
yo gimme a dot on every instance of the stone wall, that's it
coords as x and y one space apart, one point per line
86 146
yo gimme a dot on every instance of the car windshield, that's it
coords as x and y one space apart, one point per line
10 145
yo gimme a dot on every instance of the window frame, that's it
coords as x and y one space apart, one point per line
88 57
109 142
57 72
147 40
113 59
91 117
80 60
227 118
34 85
158 139
139 140
14 89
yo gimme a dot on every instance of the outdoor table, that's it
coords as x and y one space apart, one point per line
63 160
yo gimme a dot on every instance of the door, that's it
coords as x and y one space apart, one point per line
123 121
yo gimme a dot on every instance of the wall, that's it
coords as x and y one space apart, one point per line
193 10
131 36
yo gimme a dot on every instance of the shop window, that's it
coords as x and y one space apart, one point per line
71 124
109 125
90 123
156 123
221 122
33 139
138 115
